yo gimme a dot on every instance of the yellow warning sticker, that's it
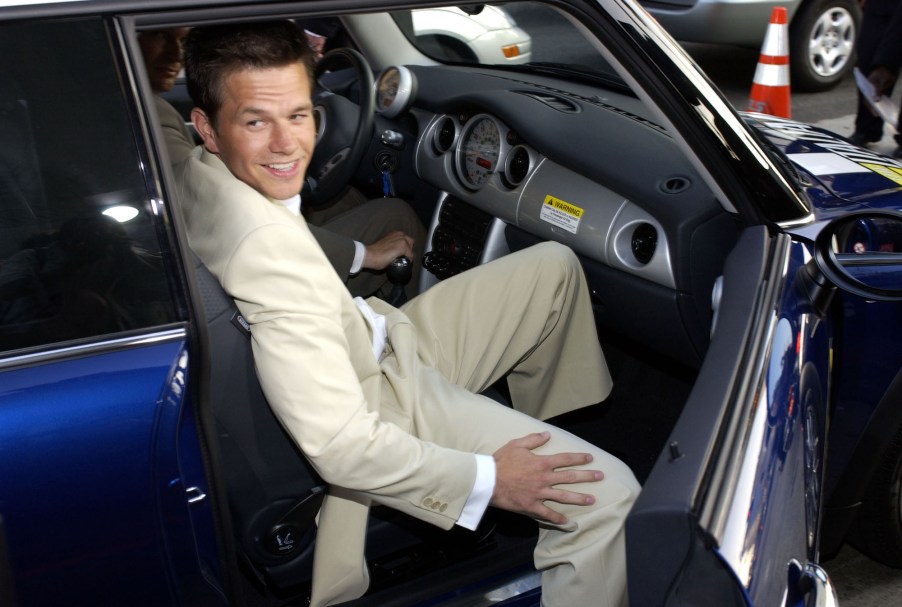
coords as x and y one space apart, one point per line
891 173
561 214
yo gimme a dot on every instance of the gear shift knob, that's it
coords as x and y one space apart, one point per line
399 271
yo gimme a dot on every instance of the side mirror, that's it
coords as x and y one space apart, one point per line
861 253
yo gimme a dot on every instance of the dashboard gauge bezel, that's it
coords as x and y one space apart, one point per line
437 129
403 96
463 141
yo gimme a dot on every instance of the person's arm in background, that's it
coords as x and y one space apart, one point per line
888 57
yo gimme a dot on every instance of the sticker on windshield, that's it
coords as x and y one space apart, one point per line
561 214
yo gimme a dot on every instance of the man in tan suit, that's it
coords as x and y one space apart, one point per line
383 402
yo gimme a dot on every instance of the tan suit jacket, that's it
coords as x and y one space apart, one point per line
366 425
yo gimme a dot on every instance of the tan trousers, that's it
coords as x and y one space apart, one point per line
528 316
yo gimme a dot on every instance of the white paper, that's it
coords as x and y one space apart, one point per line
883 107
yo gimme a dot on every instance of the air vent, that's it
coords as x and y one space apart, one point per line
675 185
644 242
517 166
444 135
556 102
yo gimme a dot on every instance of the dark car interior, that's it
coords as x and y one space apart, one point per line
664 240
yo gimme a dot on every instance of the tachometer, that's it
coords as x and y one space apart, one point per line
479 151
394 90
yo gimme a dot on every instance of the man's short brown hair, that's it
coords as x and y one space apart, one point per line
212 53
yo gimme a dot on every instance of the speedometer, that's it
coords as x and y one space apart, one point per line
479 151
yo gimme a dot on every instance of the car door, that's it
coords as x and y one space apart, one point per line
103 495
730 512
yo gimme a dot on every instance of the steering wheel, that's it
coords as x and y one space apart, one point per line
344 129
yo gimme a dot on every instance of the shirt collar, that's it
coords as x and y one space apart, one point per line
293 204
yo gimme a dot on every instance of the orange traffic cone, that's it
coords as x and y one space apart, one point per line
770 87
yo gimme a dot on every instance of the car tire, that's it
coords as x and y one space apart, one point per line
822 41
445 48
877 530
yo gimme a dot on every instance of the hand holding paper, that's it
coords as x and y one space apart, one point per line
879 104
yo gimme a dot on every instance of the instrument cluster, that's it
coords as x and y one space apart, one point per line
483 147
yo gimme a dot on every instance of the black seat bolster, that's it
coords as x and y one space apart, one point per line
273 492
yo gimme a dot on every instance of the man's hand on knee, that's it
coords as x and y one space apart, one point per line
524 481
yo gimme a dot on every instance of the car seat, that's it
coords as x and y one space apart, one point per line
273 493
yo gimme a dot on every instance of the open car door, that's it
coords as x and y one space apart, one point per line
756 417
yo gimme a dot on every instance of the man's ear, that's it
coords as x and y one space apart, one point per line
205 129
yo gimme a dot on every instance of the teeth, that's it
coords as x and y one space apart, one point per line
282 167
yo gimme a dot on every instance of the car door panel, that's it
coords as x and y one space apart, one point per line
82 473
103 489
757 409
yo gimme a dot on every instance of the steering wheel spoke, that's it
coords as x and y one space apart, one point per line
344 128
328 166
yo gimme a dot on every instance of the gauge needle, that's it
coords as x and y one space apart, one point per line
486 164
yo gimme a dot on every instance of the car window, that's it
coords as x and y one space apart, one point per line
528 35
78 252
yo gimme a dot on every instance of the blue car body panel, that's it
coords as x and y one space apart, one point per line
89 448
843 177
779 490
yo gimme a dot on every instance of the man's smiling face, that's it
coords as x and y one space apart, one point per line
265 131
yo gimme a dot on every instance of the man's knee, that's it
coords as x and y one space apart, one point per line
614 494
606 517
395 214
556 260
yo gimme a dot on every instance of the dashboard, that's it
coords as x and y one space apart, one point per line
566 161
514 150
481 160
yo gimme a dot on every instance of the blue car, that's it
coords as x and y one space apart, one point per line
745 272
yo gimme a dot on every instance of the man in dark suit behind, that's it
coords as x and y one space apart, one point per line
879 58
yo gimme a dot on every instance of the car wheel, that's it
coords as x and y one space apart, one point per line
877 531
822 41
447 49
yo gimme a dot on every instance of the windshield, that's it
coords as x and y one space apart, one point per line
525 35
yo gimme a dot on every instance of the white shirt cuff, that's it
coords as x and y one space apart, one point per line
481 494
359 253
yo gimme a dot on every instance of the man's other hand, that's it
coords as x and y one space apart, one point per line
882 79
524 481
385 250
